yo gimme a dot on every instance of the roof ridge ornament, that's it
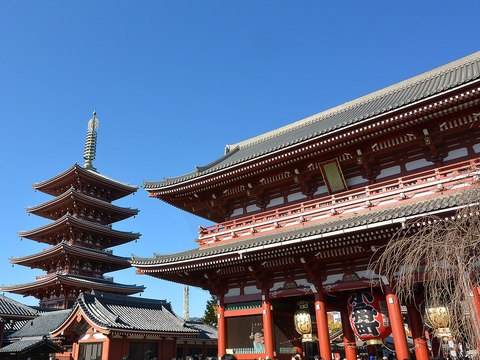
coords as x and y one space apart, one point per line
89 151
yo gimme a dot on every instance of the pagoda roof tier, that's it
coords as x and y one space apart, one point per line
52 233
119 314
111 189
64 249
330 240
383 108
70 200
51 283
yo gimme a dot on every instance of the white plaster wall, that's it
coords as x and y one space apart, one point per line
275 202
417 164
389 171
295 196
356 180
457 153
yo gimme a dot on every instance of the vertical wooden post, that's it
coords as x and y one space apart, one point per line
322 325
396 320
348 337
221 326
106 349
418 334
268 327
476 316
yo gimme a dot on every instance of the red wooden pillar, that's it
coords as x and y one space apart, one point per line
322 325
268 327
396 320
221 327
348 337
416 326
2 329
476 318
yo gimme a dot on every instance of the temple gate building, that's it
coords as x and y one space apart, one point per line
81 234
300 211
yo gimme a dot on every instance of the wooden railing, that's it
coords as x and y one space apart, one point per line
63 357
425 183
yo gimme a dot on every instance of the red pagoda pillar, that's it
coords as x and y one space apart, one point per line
221 327
348 337
268 327
416 326
322 325
396 320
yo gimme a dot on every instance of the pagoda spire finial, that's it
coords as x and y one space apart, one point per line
91 142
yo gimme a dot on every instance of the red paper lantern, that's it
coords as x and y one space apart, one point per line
368 316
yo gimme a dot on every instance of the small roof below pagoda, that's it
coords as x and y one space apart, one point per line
436 81
34 344
11 309
58 206
81 283
60 183
126 314
34 335
67 222
63 249
42 325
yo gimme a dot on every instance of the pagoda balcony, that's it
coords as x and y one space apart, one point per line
387 193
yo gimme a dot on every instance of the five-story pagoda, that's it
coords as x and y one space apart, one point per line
80 235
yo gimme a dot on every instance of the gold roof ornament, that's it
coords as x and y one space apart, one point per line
91 142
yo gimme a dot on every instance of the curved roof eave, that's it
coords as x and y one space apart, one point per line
90 173
394 97
391 215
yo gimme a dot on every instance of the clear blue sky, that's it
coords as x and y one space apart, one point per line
173 82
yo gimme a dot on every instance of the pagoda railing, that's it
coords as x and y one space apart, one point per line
446 178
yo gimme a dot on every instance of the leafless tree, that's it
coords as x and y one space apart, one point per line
439 258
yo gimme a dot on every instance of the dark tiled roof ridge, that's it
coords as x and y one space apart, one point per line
416 208
71 277
73 191
76 166
123 313
432 82
81 221
391 89
9 306
64 244
116 298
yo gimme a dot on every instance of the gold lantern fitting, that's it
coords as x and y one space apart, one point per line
374 342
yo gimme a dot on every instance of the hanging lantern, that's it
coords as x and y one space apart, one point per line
369 317
437 317
303 321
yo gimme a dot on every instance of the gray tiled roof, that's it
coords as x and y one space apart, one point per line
75 168
25 345
79 281
11 308
42 324
322 228
127 313
206 331
69 248
74 221
434 82
74 194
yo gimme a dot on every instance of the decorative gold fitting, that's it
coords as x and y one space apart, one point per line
374 342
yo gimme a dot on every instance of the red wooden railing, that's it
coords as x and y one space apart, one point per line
425 183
